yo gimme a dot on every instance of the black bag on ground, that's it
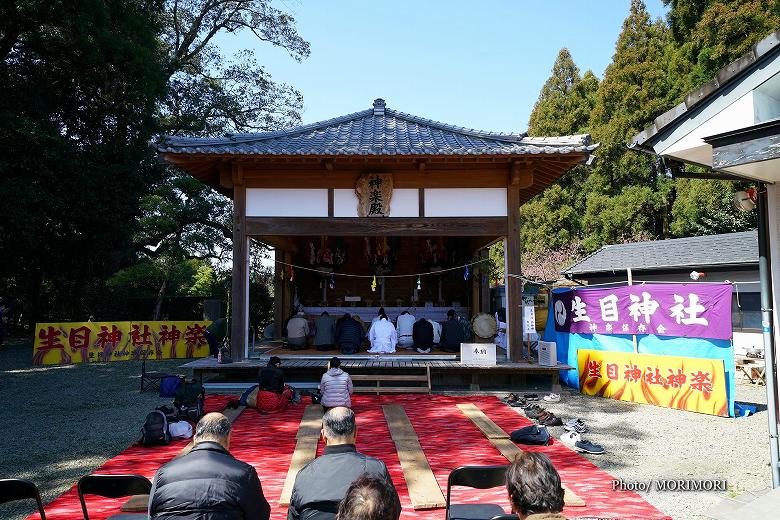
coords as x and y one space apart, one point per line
536 435
154 432
188 400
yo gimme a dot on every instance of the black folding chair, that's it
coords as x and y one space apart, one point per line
478 477
150 378
114 486
13 489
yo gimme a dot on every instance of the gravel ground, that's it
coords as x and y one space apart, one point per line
63 422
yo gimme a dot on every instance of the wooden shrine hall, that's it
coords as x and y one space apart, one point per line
377 208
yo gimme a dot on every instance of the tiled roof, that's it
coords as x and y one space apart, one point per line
378 131
714 250
760 52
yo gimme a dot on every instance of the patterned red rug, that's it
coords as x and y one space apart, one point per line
448 438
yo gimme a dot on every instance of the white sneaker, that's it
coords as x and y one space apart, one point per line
570 439
552 398
424 351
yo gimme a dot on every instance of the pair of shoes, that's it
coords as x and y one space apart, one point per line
424 351
534 411
552 398
531 397
574 441
511 398
551 420
520 403
575 425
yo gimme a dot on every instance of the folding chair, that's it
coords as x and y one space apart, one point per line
150 379
478 477
114 486
13 489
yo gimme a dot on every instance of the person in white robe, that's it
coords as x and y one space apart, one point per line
436 331
383 336
405 323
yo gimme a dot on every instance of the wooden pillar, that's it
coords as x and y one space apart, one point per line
287 291
240 294
278 293
484 284
514 286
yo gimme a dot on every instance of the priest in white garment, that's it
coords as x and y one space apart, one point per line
383 336
405 323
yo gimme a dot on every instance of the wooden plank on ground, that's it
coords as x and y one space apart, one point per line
483 422
508 449
424 490
305 448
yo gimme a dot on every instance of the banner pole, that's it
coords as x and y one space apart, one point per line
630 283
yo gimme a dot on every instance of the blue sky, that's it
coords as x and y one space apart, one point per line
479 64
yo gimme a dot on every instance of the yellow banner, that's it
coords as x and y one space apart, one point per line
694 384
98 342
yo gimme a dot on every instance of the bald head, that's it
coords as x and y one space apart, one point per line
338 426
213 427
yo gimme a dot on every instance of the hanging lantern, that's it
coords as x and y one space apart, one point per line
419 285
332 284
466 273
373 284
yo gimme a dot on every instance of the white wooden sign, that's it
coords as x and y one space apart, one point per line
483 354
548 354
529 320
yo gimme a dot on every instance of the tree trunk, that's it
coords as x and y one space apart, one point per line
159 302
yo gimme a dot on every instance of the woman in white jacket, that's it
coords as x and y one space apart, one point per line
336 386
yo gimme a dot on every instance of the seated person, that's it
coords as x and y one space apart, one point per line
451 334
335 386
370 498
383 336
405 323
271 395
325 332
349 334
323 483
208 482
215 335
298 331
534 487
436 332
422 334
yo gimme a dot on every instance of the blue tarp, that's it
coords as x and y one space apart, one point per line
568 345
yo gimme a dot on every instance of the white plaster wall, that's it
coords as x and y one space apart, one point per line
465 202
278 202
405 203
345 203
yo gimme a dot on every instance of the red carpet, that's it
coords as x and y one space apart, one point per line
448 438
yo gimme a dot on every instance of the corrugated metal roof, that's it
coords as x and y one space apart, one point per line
378 131
677 253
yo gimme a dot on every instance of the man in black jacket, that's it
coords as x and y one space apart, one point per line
208 483
452 333
323 483
349 334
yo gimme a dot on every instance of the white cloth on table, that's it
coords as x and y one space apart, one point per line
436 331
383 337
405 324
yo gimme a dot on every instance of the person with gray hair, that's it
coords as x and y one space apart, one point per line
323 483
208 483
370 498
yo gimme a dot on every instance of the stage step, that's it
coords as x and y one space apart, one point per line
239 388
391 390
395 378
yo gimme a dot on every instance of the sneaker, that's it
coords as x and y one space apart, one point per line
511 398
424 351
552 398
531 397
520 403
588 447
544 415
552 420
534 413
570 439
575 425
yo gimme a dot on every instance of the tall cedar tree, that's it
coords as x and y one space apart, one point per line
79 86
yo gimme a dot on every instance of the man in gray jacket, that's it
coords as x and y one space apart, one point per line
323 483
325 334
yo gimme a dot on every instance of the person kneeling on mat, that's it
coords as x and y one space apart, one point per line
271 395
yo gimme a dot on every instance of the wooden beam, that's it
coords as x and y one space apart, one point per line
514 286
308 438
421 201
343 226
521 175
239 295
330 202
484 285
278 295
328 164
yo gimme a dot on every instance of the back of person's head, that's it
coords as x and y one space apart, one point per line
347 316
383 316
324 313
381 311
213 427
405 312
335 362
450 314
274 361
533 485
301 314
338 424
369 498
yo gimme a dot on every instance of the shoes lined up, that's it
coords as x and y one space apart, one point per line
574 427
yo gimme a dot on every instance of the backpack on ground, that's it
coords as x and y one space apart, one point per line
154 432
189 399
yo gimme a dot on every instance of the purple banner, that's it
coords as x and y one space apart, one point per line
681 310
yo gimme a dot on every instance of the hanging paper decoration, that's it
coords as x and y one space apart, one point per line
419 286
292 274
373 284
332 284
466 273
